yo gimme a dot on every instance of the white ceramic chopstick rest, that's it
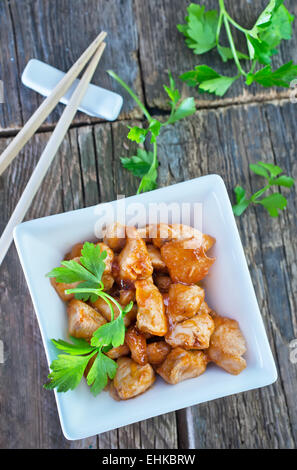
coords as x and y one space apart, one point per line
97 102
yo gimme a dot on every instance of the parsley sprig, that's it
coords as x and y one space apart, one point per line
68 368
202 32
274 202
145 163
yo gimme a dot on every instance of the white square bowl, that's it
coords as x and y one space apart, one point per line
229 291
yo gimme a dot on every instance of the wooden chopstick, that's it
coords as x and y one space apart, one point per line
48 154
48 105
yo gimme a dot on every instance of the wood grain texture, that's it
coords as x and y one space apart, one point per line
162 47
87 170
57 32
225 142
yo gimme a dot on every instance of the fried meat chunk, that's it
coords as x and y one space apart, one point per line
157 352
184 301
119 351
193 333
137 344
151 317
103 308
83 320
155 256
134 261
159 234
227 345
186 260
181 365
115 236
132 379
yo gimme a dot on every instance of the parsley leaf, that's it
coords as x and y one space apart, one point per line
137 134
208 80
88 273
68 369
262 50
145 163
102 368
283 180
92 258
138 164
111 333
274 170
200 29
79 347
241 202
67 372
279 28
178 111
186 108
273 203
227 54
280 77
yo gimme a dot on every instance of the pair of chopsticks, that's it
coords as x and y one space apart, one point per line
94 51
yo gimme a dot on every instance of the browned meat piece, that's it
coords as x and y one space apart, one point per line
107 280
204 308
227 345
60 288
109 258
155 256
83 320
112 392
127 295
76 251
102 307
185 232
181 365
151 316
134 261
157 352
132 379
193 333
143 232
186 261
184 302
115 236
115 353
162 281
137 344
162 233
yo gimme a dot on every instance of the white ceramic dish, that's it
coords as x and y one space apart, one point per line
229 291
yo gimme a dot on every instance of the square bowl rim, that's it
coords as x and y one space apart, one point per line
215 183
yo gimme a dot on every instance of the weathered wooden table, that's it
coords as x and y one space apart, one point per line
223 137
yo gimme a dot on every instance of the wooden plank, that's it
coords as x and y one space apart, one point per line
162 47
87 170
57 32
84 172
225 141
29 415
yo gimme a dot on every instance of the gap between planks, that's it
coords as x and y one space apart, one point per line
157 111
